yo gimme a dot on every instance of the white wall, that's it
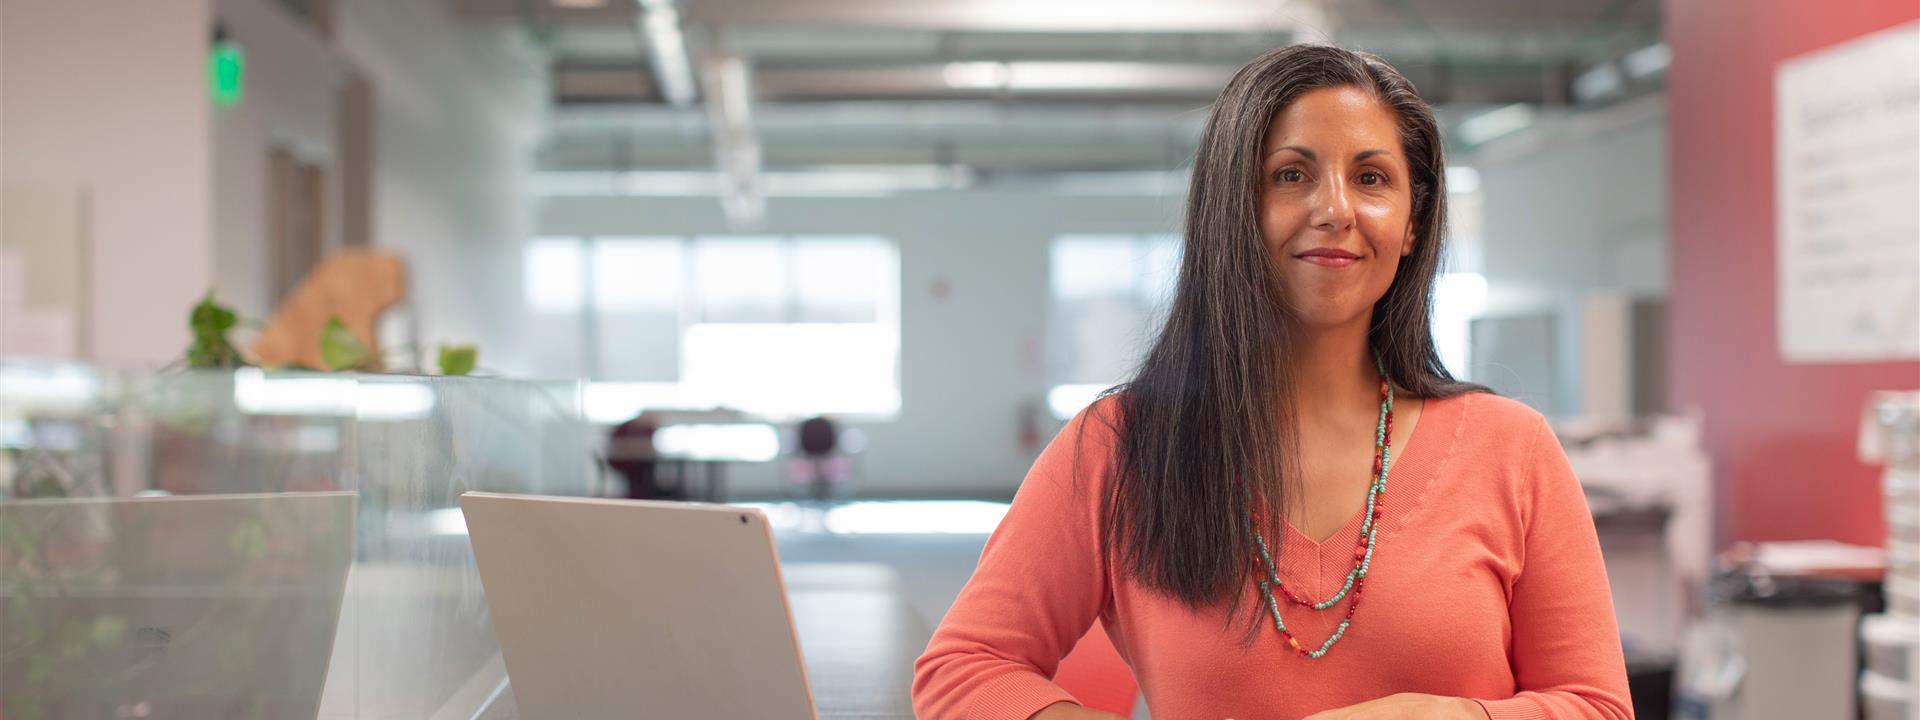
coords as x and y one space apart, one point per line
1574 208
288 101
1579 205
108 100
969 362
458 112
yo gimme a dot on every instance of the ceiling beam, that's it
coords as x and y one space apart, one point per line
1152 16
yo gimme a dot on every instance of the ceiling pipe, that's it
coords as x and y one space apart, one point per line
736 150
659 23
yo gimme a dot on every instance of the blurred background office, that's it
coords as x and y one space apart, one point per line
855 262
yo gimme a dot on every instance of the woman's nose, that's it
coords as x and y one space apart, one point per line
1332 208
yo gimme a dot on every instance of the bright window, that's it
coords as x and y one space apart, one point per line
639 287
553 275
741 279
1108 297
778 326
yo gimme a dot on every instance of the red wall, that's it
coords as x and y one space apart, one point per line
1781 436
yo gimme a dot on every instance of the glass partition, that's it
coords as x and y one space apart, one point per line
250 544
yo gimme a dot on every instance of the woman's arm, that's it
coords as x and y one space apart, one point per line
1070 711
1566 659
1407 705
1041 583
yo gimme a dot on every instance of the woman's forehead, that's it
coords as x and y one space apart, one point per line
1335 118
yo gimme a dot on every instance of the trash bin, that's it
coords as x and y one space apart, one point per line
1774 646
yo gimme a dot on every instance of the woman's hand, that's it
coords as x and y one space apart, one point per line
1068 711
1408 706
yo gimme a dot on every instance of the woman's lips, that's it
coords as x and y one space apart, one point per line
1329 260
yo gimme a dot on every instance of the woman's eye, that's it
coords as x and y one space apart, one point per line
1372 178
1289 175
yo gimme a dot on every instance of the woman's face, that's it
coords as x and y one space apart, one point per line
1336 207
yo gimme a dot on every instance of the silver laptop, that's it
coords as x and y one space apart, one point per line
196 606
630 608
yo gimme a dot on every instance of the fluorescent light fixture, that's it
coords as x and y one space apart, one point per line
1068 400
1102 182
822 181
874 181
1073 75
1496 123
25 388
667 50
1648 61
975 75
736 150
1612 77
392 401
648 183
1462 179
1083 76
1599 82
256 394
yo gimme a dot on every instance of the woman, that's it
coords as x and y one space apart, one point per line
1291 445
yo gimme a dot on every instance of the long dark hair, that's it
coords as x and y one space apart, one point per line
1206 428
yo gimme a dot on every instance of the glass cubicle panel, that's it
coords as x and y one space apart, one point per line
249 544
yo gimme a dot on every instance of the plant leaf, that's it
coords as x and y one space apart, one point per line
458 359
211 317
339 349
210 322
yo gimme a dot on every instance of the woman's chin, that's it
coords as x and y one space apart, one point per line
1314 318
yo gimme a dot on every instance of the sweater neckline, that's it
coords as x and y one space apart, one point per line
1408 475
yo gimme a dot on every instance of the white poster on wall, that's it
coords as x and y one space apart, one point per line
1847 190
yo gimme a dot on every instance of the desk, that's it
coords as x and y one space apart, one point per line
709 446
858 636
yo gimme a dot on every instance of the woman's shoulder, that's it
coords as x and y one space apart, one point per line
1100 418
1490 415
1094 429
1500 436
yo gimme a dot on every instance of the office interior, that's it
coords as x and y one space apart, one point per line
281 279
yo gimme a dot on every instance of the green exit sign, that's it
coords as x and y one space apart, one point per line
226 70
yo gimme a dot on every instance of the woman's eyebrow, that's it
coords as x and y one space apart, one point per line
1296 148
1309 154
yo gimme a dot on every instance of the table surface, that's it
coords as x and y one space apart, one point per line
858 639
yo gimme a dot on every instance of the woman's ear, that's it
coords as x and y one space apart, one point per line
1406 245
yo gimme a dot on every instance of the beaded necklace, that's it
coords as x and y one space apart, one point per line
1362 555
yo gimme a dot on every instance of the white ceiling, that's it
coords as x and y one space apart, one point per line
887 81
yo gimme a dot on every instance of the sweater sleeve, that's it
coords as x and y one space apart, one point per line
1567 661
1041 582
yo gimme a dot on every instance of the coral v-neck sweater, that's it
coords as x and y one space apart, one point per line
1486 583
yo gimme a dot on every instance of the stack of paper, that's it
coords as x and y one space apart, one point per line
1890 436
